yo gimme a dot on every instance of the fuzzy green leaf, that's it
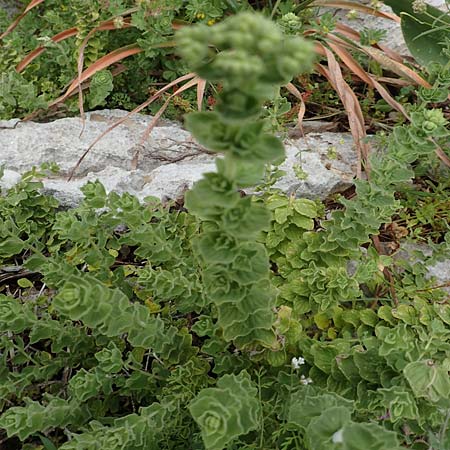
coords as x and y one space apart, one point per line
429 380
11 246
368 436
227 411
424 32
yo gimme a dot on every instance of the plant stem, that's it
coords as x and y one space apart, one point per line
275 8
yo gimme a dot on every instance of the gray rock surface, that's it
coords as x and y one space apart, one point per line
168 162
394 38
441 272
12 7
318 165
419 254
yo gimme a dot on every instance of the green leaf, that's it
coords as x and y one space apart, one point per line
368 317
25 283
368 436
11 246
302 222
281 215
308 403
227 411
84 385
251 264
211 195
14 316
443 311
424 33
249 316
429 380
277 201
400 403
246 219
236 105
47 443
306 207
215 134
216 247
101 85
324 356
247 174
406 313
322 429
385 313
369 364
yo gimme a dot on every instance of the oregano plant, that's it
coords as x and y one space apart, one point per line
251 58
241 322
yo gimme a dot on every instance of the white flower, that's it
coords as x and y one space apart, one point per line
338 437
352 14
297 362
305 380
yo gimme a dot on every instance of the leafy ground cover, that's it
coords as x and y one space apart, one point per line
233 321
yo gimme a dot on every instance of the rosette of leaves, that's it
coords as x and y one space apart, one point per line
325 419
137 431
14 317
100 87
22 421
86 384
226 411
251 58
110 312
110 359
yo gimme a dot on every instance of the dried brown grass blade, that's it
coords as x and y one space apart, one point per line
139 108
441 155
348 31
302 110
157 116
321 69
395 66
111 58
355 37
38 50
106 61
352 107
201 86
118 68
393 81
359 7
383 55
108 25
391 53
354 66
58 38
16 22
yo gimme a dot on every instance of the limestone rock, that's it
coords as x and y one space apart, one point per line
318 165
394 38
172 180
439 269
441 272
167 163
